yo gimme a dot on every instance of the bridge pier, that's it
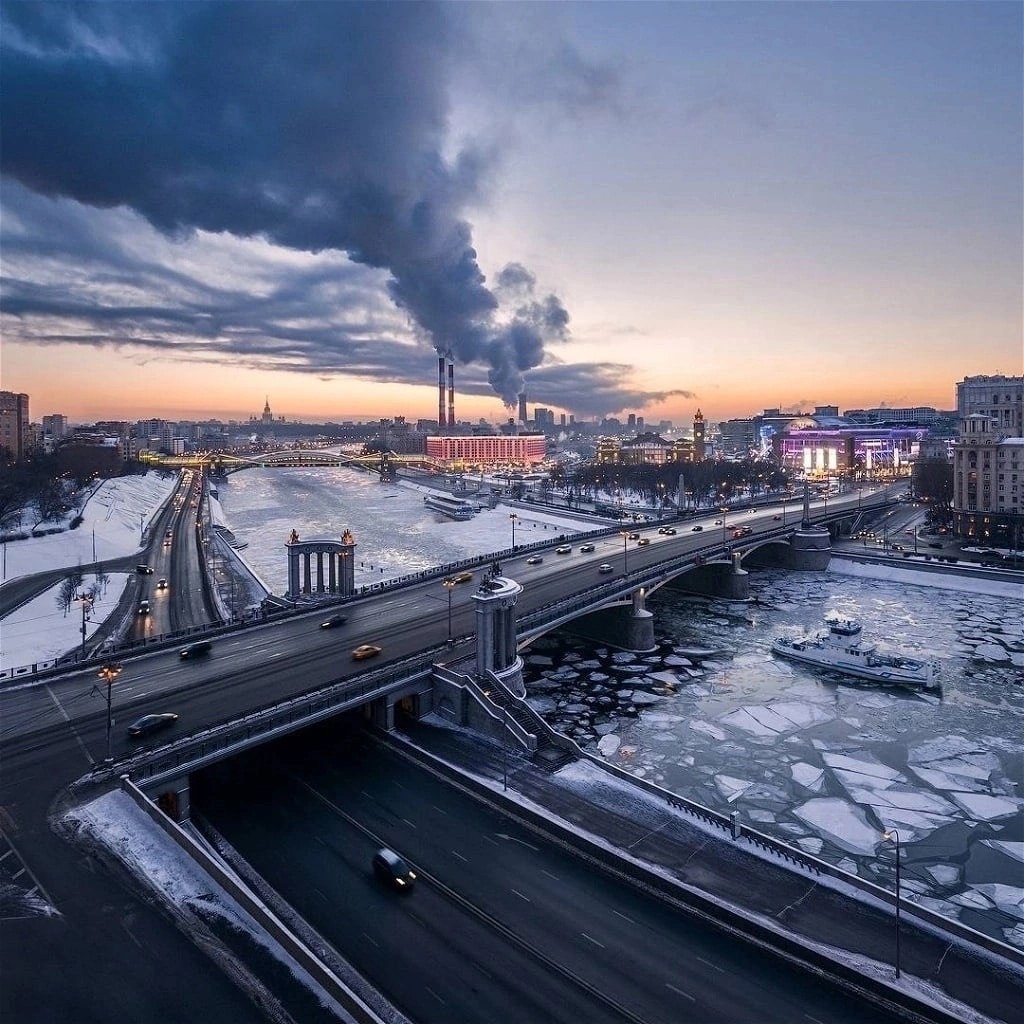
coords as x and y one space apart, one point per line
174 799
496 632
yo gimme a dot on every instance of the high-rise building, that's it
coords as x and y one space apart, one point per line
55 426
522 407
988 482
14 426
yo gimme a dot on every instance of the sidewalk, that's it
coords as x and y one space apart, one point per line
727 881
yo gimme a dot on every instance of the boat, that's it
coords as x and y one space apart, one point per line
450 506
841 649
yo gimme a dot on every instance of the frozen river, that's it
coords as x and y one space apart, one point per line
821 764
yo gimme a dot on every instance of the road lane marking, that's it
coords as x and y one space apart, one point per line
815 1019
680 992
435 995
493 842
367 795
629 919
371 939
459 855
594 941
521 896
409 823
708 963
319 840
521 842
67 718
554 878
439 811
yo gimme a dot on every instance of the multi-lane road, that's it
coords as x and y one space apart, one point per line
501 924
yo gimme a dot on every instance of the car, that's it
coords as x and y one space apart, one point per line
586 548
662 529
161 584
167 542
169 534
195 650
364 651
391 869
668 531
718 522
909 532
634 536
896 547
643 541
697 529
776 518
334 620
144 570
935 544
534 560
143 607
605 567
563 550
462 577
151 723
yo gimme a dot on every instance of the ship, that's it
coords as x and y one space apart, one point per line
450 506
842 650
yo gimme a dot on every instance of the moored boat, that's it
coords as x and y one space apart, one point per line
841 649
450 506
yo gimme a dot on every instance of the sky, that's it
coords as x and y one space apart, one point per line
614 207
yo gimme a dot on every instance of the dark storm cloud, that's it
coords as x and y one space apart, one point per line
319 126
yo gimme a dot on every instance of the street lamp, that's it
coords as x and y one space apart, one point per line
108 674
624 534
86 598
891 835
448 583
512 517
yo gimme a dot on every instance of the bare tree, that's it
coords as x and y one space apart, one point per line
66 593
102 581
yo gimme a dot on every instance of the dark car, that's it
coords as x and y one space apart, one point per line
776 518
143 607
586 547
643 541
668 531
200 647
151 723
161 584
144 570
390 868
334 620
696 529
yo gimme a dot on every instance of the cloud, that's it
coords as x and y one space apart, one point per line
318 127
106 279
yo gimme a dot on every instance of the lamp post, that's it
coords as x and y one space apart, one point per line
512 517
448 583
108 674
891 835
86 598
624 534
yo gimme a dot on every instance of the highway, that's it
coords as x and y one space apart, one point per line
501 924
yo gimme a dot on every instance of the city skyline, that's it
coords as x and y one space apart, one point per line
642 208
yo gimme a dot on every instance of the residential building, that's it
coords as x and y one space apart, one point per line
15 439
996 396
988 482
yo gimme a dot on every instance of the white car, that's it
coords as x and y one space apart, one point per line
605 567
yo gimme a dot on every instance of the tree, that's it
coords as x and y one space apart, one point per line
66 593
933 481
49 501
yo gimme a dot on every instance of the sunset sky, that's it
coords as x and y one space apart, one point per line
622 207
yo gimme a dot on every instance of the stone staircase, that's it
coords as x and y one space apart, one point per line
548 757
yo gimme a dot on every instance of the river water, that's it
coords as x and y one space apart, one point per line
715 717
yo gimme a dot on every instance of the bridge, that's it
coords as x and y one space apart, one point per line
265 681
223 463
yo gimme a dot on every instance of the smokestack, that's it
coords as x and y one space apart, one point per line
522 407
440 395
451 393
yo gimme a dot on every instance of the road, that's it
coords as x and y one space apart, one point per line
310 819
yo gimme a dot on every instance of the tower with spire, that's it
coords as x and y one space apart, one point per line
268 416
699 444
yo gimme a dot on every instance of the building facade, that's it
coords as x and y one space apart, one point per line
15 436
999 398
988 483
501 449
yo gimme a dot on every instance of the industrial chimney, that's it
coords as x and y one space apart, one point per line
451 392
440 394
522 407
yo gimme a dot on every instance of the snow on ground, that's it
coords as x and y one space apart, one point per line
115 822
112 524
40 630
922 578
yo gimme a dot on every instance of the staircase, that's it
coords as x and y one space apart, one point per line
548 757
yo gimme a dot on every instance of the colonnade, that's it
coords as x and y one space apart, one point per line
321 565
